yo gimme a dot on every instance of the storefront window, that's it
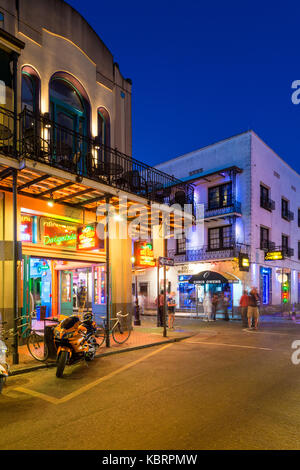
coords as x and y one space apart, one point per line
100 285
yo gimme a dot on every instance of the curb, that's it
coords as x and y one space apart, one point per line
48 365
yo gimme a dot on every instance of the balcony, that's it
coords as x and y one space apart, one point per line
287 251
40 139
287 215
207 254
267 245
267 204
212 211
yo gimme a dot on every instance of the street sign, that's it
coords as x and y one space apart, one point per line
165 261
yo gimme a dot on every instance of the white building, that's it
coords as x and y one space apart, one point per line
251 203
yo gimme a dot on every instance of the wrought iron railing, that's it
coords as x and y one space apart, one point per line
45 141
287 215
267 204
216 211
206 254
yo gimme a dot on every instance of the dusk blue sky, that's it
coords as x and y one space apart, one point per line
204 71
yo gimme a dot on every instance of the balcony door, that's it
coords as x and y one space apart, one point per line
68 112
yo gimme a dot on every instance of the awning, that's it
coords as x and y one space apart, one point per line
213 277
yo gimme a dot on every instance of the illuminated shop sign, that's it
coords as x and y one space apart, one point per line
285 292
26 228
274 255
244 262
87 238
143 253
60 234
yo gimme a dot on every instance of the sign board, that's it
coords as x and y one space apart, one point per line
26 228
244 262
166 261
87 238
143 254
274 255
58 233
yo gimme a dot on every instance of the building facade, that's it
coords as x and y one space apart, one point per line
65 154
250 199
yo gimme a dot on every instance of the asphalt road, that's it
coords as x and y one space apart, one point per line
225 388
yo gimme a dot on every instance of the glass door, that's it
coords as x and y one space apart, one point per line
66 292
99 291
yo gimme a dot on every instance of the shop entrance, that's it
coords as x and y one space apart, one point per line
63 287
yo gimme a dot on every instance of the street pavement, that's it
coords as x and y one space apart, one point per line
225 387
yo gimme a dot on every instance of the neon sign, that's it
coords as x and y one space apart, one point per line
59 234
143 253
87 238
26 228
274 256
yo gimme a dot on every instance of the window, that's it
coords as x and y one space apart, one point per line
285 242
30 94
285 212
1 20
265 201
220 238
264 238
220 196
181 245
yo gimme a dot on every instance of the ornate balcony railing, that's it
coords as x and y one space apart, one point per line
47 142
287 251
215 211
267 245
267 204
206 254
287 215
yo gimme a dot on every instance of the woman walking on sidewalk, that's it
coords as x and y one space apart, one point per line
171 310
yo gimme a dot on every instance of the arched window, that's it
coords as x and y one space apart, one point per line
103 127
103 138
30 90
70 110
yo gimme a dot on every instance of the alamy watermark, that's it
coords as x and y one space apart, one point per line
141 222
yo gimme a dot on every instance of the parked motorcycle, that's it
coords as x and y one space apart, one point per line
75 340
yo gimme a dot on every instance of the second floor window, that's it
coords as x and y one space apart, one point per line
220 238
180 245
284 209
285 242
220 196
264 238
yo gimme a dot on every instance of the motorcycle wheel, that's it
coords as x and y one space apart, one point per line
61 363
2 381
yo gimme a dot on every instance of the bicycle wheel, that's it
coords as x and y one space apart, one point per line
100 336
37 347
121 333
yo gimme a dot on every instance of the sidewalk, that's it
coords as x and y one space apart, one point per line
146 335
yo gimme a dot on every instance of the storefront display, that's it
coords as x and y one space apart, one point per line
266 285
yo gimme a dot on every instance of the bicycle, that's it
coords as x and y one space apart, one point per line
34 340
119 331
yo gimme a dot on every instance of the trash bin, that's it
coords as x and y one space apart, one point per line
49 341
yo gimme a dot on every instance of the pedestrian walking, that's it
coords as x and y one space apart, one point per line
215 301
253 312
244 303
171 310
207 306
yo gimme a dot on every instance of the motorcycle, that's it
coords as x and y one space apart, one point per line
4 368
74 340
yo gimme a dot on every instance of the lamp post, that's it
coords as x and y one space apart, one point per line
137 320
